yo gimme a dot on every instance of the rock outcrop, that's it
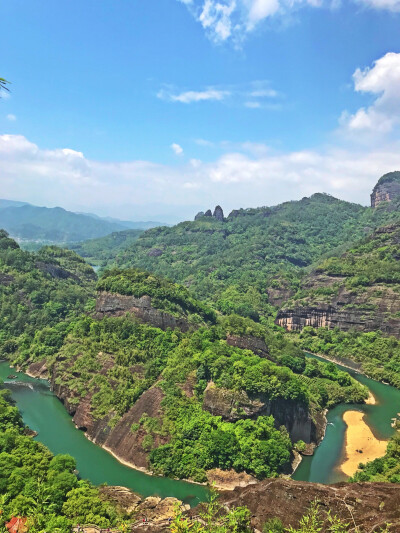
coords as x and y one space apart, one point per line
297 419
120 438
368 505
153 508
218 214
375 308
248 342
110 304
387 188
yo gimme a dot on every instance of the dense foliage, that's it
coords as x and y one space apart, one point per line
113 361
39 290
164 294
232 262
42 487
378 355
374 260
102 251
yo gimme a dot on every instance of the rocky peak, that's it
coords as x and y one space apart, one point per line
218 214
387 188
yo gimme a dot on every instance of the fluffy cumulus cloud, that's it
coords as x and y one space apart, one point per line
382 80
11 117
225 20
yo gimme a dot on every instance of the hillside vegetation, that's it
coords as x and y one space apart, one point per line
103 250
233 262
39 290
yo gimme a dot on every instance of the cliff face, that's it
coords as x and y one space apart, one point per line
232 406
108 304
387 188
374 308
120 439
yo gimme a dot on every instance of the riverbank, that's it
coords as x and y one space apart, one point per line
356 368
361 445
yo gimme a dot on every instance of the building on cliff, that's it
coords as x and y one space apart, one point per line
387 188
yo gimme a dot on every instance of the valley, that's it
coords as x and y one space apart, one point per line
187 356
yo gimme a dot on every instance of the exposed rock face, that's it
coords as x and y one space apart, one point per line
387 188
6 279
232 406
153 508
229 479
155 252
55 271
38 370
373 309
371 505
280 294
218 213
118 304
255 344
119 439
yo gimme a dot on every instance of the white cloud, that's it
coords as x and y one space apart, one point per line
188 97
11 117
225 20
251 94
383 81
177 149
252 175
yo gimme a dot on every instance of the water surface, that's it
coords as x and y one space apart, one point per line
323 466
42 411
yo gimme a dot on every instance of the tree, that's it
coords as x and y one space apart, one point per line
3 85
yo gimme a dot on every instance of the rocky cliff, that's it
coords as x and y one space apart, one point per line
297 419
387 188
109 304
359 290
374 308
368 505
123 439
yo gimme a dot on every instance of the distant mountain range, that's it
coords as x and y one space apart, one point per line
33 224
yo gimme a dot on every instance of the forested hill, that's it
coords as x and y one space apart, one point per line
234 261
29 223
39 290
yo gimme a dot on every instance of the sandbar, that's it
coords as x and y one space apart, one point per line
361 445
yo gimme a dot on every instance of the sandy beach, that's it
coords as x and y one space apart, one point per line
361 445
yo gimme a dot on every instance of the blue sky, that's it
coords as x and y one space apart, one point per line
149 108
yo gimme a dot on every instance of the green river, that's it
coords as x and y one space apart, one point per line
44 413
322 467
